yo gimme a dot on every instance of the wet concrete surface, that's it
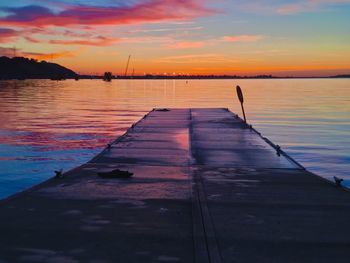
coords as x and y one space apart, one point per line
206 188
277 215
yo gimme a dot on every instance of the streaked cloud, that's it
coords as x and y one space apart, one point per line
307 6
186 44
166 29
197 59
147 39
242 38
288 7
48 56
32 40
98 41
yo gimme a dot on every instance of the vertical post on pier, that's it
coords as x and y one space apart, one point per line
241 100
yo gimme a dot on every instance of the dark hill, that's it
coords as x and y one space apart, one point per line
342 76
24 68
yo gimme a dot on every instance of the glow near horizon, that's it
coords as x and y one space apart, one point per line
176 36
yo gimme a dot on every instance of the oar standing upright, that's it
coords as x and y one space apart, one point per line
241 100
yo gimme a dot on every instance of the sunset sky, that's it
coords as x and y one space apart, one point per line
286 37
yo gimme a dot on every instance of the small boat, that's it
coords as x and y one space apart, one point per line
115 174
107 76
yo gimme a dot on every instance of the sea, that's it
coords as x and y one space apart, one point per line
49 125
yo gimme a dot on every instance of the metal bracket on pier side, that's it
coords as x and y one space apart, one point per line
278 150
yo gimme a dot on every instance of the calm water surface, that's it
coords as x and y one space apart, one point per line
47 125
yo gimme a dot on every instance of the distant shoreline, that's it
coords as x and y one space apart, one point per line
224 77
197 77
20 68
173 78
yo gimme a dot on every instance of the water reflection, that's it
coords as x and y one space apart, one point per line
46 125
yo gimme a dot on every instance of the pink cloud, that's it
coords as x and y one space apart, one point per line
8 52
242 38
88 41
7 35
143 12
186 45
31 34
290 9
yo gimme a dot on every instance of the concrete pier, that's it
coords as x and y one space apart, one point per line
206 188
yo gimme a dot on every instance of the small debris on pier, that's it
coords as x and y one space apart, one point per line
338 181
115 174
59 173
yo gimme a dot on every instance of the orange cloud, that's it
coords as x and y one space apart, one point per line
242 38
46 56
99 41
197 59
